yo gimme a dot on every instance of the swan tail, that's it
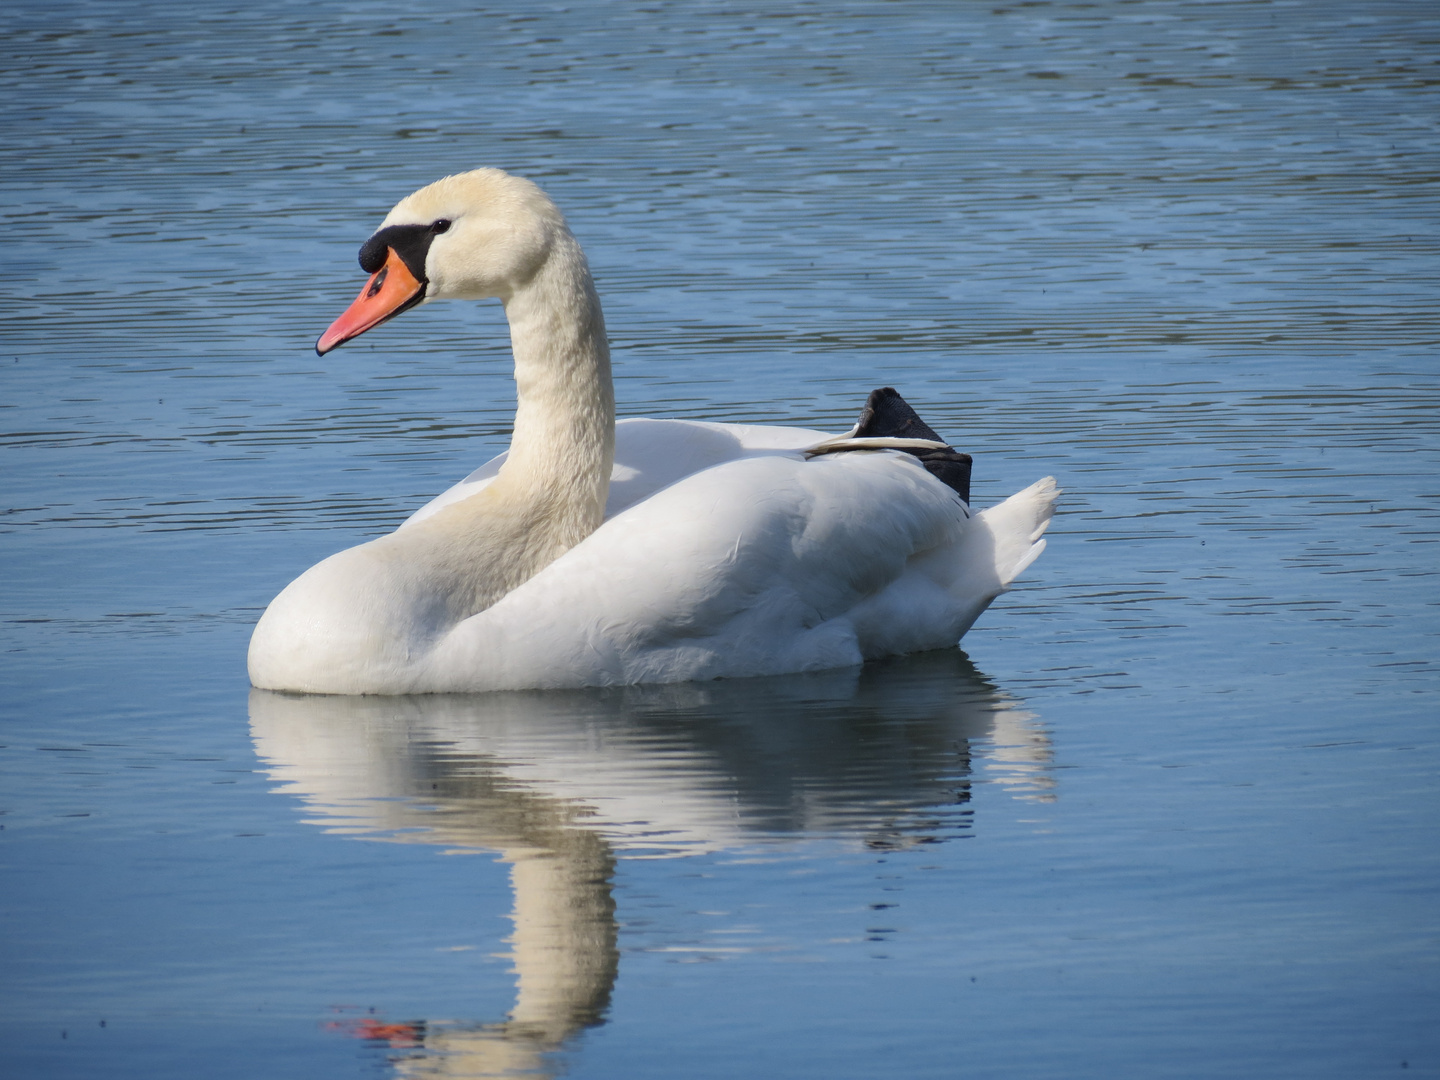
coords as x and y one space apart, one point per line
1018 525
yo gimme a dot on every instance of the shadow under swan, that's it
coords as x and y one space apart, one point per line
560 783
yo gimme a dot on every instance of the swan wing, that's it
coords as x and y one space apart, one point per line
764 564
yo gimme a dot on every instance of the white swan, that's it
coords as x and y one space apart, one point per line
593 553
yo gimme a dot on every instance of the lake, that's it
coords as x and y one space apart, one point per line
1172 809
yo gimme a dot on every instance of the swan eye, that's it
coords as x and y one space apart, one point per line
440 226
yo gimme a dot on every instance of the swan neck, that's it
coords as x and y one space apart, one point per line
564 437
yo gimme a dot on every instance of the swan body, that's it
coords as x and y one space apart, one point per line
592 553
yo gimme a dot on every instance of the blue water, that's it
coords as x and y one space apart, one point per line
1173 810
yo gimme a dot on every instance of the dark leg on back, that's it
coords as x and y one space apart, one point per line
888 415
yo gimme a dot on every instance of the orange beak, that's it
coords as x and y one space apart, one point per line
390 290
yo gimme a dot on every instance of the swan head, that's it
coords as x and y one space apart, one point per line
472 236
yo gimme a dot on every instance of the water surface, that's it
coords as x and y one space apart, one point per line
1172 811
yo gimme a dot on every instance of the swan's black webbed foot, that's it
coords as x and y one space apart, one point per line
888 415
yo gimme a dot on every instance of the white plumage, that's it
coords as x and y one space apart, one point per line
649 551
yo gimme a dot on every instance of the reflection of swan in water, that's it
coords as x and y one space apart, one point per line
558 782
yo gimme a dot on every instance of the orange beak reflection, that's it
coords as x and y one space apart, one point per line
390 290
